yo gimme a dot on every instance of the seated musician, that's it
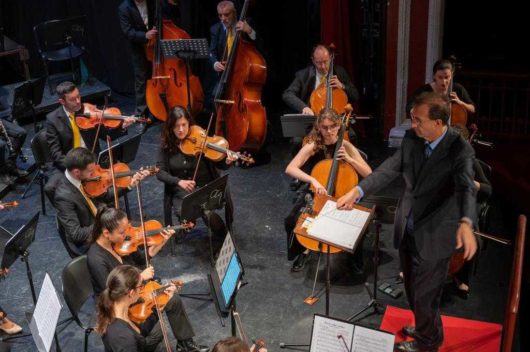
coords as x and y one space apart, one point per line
117 283
6 325
234 344
321 145
177 169
75 210
63 134
12 139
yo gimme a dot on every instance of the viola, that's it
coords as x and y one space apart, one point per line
153 236
100 183
110 117
215 147
152 295
9 205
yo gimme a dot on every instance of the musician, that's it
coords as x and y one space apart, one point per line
223 33
435 215
442 74
113 277
322 141
7 325
234 344
9 153
137 19
75 210
63 134
177 169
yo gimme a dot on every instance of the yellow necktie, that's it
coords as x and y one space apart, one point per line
229 40
91 205
75 131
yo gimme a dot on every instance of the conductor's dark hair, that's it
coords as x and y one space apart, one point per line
438 105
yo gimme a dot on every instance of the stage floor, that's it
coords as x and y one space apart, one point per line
271 305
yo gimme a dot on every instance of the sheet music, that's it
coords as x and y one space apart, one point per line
326 332
340 227
369 340
45 316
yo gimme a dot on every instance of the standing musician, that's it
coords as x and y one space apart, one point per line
177 169
118 283
322 141
223 33
75 210
442 74
137 23
435 214
63 134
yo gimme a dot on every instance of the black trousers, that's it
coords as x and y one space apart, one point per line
17 136
142 70
424 281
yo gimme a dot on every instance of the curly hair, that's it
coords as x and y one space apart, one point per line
315 136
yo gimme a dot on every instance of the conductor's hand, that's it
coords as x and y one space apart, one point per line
347 201
319 189
187 185
307 111
148 273
335 83
466 239
219 66
150 34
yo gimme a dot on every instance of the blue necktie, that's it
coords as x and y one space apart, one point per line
428 150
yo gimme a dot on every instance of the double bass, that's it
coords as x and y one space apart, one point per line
241 118
169 83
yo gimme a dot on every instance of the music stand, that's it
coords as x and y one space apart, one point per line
124 150
297 125
187 50
26 96
203 202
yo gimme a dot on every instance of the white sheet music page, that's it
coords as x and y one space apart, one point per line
370 340
46 314
330 335
340 227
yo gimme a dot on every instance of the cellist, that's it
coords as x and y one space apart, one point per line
119 333
137 23
321 145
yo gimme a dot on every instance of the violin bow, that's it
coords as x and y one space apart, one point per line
203 147
142 223
116 200
96 138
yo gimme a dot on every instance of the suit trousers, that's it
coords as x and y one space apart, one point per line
141 74
424 281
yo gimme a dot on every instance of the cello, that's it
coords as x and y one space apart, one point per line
457 113
168 85
241 118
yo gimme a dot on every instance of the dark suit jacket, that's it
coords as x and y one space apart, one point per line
218 42
74 215
297 95
60 136
440 191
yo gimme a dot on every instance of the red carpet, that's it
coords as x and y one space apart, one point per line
461 335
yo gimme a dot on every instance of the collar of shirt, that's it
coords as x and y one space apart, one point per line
72 180
437 141
67 112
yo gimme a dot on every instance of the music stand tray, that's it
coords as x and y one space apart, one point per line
124 151
19 242
297 125
185 48
207 198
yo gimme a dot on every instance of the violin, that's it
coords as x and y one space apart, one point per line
110 117
9 205
215 147
153 236
152 295
100 183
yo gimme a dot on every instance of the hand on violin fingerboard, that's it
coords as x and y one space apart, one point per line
128 121
139 176
230 157
167 233
148 273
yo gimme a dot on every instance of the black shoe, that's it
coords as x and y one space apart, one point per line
299 262
190 346
412 346
409 331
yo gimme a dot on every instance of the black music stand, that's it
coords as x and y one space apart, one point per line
26 96
187 50
123 150
297 125
203 202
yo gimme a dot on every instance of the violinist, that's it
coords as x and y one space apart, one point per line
137 23
435 215
235 344
63 134
442 74
75 210
177 169
115 298
322 141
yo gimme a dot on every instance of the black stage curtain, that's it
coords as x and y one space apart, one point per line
288 29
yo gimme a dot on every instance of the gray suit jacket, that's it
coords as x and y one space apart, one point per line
439 191
297 95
